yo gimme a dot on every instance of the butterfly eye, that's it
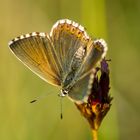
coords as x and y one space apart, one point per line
65 92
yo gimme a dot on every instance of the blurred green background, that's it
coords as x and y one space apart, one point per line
116 21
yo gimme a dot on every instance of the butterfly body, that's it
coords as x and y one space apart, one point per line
66 57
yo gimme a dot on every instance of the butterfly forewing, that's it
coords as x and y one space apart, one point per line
35 50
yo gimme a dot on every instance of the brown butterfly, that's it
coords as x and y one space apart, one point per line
66 57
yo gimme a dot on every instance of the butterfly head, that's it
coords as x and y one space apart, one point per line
63 93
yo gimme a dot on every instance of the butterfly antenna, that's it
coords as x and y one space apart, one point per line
40 97
33 101
61 109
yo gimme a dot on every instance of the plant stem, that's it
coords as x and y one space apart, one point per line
94 134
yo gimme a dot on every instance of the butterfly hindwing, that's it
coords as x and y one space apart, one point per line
95 53
80 91
68 37
83 80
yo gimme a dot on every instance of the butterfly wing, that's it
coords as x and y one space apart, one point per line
83 80
80 91
76 51
36 51
68 38
94 54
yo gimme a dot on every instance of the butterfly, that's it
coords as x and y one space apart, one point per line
66 57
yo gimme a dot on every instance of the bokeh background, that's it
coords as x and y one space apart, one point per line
116 21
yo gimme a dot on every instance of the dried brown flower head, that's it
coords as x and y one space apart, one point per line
99 100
